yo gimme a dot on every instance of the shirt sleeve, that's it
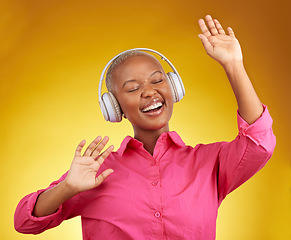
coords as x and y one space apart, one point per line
240 159
25 222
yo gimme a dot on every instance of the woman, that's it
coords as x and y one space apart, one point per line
160 188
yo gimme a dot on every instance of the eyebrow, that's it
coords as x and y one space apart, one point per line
158 71
133 80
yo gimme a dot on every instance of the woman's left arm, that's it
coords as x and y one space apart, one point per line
226 50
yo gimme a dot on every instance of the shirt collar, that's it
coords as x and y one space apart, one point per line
129 142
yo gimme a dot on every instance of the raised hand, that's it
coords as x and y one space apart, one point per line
82 173
220 46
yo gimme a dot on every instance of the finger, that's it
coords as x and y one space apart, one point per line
102 177
230 32
100 159
79 148
211 25
207 45
204 28
100 147
218 26
92 145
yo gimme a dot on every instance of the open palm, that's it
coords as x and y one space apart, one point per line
220 46
83 170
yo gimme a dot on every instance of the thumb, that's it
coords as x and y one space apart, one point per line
102 177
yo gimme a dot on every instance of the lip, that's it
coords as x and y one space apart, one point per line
153 101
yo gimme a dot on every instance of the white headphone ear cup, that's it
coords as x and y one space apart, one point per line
177 86
110 108
103 108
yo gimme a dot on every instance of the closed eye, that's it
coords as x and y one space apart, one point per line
133 89
158 81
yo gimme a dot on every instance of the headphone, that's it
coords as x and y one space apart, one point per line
109 105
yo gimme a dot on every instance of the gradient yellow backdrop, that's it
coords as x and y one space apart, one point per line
51 57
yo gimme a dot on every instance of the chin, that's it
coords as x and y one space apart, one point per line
153 126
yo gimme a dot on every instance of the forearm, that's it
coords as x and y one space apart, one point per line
249 105
49 201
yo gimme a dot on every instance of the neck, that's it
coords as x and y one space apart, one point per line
149 137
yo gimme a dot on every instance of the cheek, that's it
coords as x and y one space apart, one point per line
167 93
128 105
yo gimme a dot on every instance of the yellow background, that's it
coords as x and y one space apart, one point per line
52 54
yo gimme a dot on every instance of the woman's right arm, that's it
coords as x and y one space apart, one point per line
81 177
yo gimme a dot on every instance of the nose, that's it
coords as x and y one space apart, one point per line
148 91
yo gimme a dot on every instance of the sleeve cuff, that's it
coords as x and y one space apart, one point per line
257 130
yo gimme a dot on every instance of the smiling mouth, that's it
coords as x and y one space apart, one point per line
153 108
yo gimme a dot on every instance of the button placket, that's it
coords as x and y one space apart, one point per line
155 190
155 193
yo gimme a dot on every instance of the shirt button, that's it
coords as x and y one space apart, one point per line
153 163
157 214
154 183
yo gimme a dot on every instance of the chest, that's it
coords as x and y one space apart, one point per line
167 194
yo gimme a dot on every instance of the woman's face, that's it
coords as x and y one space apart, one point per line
143 92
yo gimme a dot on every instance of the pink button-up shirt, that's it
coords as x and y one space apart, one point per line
174 194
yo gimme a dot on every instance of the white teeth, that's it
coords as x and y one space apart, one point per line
151 107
